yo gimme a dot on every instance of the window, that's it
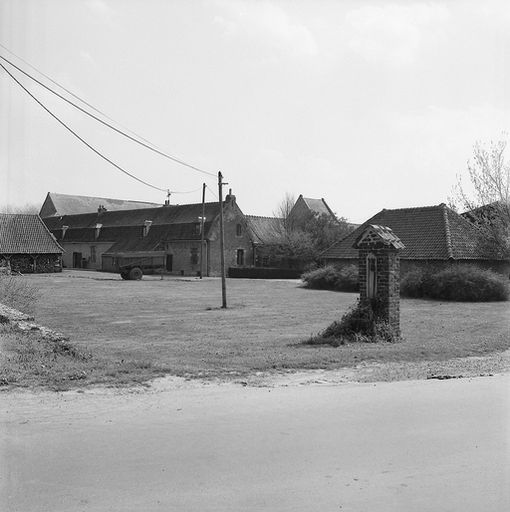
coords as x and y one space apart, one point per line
194 256
197 230
240 257
92 254
239 230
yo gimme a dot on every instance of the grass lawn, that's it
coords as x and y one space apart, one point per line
140 329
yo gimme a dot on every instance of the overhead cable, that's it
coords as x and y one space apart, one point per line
148 145
83 141
187 192
211 191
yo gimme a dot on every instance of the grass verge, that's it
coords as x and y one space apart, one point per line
29 360
139 330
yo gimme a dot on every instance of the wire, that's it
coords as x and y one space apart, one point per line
147 145
188 192
78 137
53 81
211 191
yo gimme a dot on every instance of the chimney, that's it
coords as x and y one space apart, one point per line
101 209
230 197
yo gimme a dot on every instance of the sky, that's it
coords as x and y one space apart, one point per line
367 104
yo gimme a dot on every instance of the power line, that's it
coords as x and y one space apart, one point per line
187 192
53 81
211 191
83 141
147 145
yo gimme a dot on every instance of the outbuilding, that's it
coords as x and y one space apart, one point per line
434 237
27 246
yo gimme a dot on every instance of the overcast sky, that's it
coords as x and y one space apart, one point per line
370 105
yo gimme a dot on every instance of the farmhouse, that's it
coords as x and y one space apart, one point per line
27 246
168 236
434 236
56 205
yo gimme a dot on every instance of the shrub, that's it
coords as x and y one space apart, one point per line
17 293
343 279
361 323
456 283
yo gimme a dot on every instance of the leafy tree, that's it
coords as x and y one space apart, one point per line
486 200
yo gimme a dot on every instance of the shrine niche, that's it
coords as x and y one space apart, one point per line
379 272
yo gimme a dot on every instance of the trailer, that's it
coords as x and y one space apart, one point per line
133 265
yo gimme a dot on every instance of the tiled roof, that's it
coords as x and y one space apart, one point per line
264 230
379 234
25 234
64 204
428 233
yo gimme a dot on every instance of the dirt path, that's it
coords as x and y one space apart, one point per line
188 446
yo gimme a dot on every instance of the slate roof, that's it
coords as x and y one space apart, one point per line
264 230
162 215
64 204
428 233
318 206
124 229
25 234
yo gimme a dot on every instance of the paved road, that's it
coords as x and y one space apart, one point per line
408 446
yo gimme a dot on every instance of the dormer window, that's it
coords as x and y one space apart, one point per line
196 228
146 227
97 231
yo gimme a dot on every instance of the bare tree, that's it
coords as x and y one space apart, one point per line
486 200
283 210
30 208
304 238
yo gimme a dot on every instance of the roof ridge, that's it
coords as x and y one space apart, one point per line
440 205
100 197
262 217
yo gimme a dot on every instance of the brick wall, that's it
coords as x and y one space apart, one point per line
234 241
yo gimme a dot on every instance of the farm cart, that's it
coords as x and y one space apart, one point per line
132 266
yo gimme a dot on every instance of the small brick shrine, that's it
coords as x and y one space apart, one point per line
379 272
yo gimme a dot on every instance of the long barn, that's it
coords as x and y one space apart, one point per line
167 236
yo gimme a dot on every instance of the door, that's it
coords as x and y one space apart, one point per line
169 262
77 259
371 276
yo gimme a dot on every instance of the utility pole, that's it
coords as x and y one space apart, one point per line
222 244
202 223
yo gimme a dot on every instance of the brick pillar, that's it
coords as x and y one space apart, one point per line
381 257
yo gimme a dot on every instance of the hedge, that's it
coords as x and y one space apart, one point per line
469 284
